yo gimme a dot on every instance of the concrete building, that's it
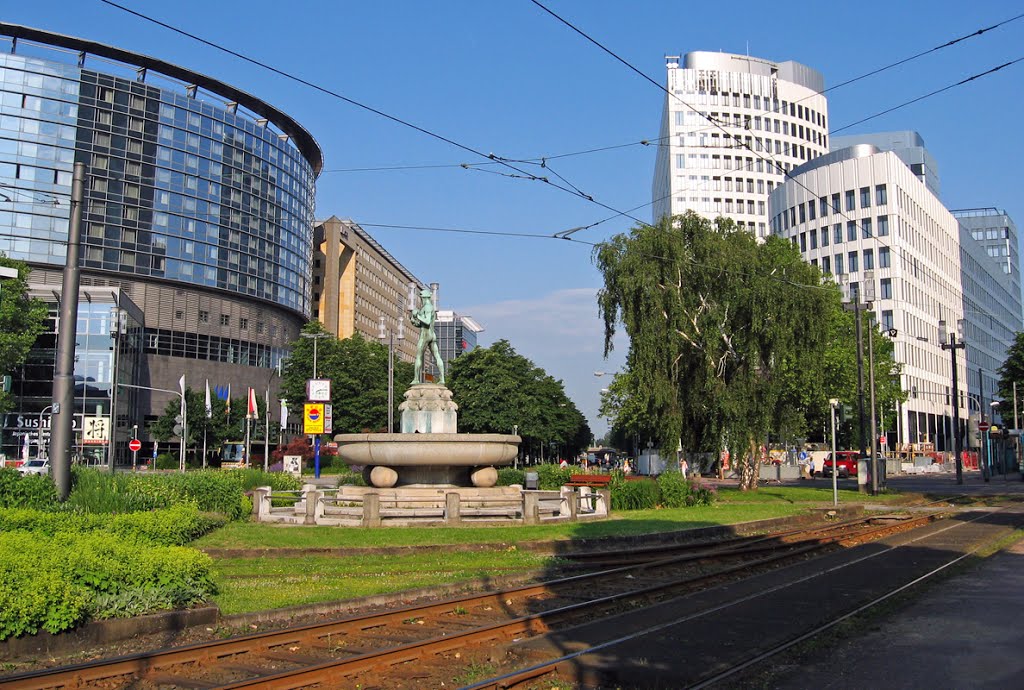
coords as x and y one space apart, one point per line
456 335
872 219
730 130
356 283
196 229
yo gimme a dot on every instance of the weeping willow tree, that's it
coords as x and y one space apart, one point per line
727 336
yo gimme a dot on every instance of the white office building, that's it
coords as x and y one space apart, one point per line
863 216
731 128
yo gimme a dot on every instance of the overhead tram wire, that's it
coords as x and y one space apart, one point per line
570 190
770 160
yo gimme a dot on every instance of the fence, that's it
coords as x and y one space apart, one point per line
355 506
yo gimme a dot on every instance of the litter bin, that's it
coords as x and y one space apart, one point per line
863 475
532 480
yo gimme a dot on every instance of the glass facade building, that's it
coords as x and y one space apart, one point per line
456 334
199 203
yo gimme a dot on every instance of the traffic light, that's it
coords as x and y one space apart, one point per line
178 429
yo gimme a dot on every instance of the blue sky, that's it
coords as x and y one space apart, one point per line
506 78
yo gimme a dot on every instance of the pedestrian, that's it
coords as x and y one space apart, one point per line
684 467
626 469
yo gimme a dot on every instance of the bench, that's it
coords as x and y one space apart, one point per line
594 481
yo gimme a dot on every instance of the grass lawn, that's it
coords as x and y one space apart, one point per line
277 580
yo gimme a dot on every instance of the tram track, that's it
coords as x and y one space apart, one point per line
427 639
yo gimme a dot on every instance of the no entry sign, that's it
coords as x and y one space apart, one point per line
135 445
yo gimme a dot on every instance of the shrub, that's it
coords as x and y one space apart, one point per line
551 477
174 526
633 494
507 476
349 477
166 461
55 583
25 491
677 492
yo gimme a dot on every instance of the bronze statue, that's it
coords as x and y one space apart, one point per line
423 318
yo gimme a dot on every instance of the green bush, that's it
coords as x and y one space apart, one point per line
507 476
25 491
677 492
166 461
214 491
633 494
55 583
349 477
174 526
552 477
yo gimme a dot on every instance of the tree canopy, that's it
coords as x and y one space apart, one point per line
1010 373
729 338
358 370
499 390
22 320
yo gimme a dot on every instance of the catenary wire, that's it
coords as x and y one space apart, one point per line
570 190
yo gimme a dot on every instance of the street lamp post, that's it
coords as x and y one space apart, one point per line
184 413
390 336
833 403
315 337
952 345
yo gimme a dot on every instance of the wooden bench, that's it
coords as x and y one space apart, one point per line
594 481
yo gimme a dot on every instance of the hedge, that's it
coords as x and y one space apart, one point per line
174 526
55 583
25 491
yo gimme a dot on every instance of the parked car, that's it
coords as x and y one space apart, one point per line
847 464
35 466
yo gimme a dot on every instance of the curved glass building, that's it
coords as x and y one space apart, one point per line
198 212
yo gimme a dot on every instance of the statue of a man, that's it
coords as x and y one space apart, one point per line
423 318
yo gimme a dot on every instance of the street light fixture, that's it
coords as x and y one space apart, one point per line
387 334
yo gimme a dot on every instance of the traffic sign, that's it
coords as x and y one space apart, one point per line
313 418
135 445
983 426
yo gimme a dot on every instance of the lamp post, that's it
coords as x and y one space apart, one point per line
869 295
833 403
117 328
390 336
184 414
952 345
315 337
854 306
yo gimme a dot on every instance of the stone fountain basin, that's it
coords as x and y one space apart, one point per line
427 450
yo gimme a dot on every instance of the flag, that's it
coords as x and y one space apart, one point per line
284 414
266 407
227 407
254 410
209 405
181 384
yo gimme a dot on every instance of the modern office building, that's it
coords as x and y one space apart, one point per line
357 283
732 126
871 219
456 334
196 228
992 299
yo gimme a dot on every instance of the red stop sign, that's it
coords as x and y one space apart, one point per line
135 445
983 426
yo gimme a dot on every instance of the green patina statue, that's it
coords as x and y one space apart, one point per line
423 318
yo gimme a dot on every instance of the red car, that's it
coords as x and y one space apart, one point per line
847 464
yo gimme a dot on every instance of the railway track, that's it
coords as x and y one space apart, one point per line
418 645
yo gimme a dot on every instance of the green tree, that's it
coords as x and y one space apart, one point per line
224 424
358 370
724 332
22 320
1010 373
499 390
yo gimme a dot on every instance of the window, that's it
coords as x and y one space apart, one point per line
204 316
824 236
869 259
823 207
225 320
851 261
883 226
851 200
814 239
865 225
865 197
883 257
881 195
839 264
243 323
887 320
803 214
837 234
885 289
826 264
835 204
810 210
803 241
851 231
179 315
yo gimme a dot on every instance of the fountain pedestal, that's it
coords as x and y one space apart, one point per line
429 451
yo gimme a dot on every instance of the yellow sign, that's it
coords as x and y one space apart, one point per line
313 418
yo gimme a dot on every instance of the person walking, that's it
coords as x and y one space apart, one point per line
684 467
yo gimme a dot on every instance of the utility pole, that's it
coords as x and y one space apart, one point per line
854 306
869 292
984 438
952 345
61 431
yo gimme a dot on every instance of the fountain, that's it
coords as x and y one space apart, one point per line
429 451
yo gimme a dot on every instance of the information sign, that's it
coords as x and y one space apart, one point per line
313 418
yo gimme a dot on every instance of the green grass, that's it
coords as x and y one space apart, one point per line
253 584
276 580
